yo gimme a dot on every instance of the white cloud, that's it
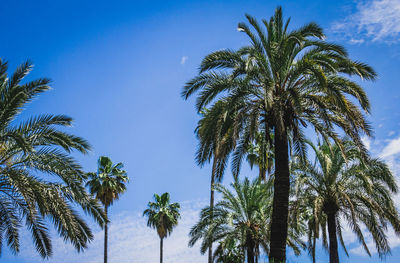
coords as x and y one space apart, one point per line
375 20
356 41
130 240
392 148
184 59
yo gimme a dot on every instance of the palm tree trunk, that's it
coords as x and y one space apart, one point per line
280 207
313 248
214 167
262 174
161 249
333 244
105 234
250 255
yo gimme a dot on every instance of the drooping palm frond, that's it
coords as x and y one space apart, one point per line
39 181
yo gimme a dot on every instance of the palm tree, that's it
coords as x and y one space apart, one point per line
162 216
107 185
243 216
228 251
39 180
214 133
283 82
347 188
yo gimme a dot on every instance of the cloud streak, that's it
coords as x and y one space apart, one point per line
184 59
374 20
130 240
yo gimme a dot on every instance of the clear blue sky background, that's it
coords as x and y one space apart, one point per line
118 68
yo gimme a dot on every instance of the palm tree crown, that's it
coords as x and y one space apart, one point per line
39 180
109 182
339 188
162 216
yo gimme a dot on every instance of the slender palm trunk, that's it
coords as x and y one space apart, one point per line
313 248
280 208
214 167
105 234
250 255
333 244
161 249
262 174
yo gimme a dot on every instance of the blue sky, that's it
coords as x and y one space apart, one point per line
118 69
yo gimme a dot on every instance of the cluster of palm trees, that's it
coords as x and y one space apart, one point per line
40 182
258 102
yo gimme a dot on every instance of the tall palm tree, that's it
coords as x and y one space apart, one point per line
284 81
107 185
40 182
339 188
214 132
162 216
243 216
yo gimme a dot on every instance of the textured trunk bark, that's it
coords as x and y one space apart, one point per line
263 174
214 167
333 244
105 234
161 249
280 210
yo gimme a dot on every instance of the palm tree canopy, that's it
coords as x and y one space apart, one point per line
243 215
216 137
162 215
109 182
285 79
39 181
358 190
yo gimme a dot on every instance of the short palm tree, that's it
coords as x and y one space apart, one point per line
40 182
162 216
107 185
243 216
283 81
339 188
228 251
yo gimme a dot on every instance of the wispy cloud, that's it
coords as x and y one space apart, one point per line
391 149
375 20
130 240
184 59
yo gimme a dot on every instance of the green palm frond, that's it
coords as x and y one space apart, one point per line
162 215
40 183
